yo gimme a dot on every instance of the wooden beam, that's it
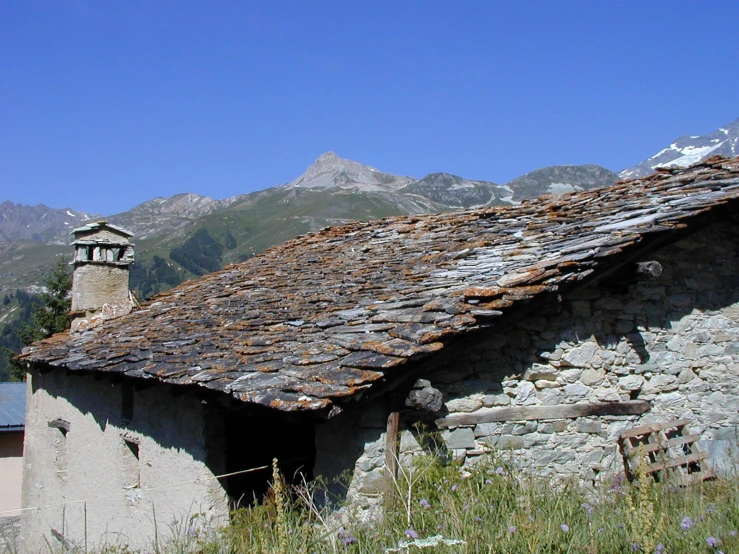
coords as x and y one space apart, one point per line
562 411
391 454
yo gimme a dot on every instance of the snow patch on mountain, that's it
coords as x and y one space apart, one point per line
689 150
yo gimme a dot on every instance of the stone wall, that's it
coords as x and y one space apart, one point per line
108 464
672 341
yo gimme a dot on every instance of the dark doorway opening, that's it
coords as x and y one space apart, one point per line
254 437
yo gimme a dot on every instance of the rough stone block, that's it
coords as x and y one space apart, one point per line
588 426
631 382
507 442
526 393
553 427
490 400
580 356
551 397
540 372
459 438
580 308
592 377
465 404
577 392
486 429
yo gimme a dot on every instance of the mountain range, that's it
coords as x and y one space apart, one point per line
188 234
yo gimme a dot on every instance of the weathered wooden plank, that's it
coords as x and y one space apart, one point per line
391 455
645 429
674 462
653 447
562 411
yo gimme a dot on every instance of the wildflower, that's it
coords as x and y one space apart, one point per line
488 482
660 549
425 503
348 540
732 533
411 534
512 529
710 508
565 528
587 507
478 519
499 470
454 487
600 530
712 542
686 523
635 547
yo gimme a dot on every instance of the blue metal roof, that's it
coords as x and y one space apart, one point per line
12 406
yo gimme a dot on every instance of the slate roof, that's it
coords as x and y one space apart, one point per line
328 314
12 406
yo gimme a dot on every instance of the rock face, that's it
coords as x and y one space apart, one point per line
560 179
162 215
688 150
331 171
454 191
39 223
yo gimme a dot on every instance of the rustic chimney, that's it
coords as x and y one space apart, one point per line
103 255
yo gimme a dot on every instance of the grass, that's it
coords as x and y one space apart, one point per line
488 509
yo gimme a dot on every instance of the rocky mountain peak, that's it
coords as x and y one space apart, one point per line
688 150
560 179
39 223
333 171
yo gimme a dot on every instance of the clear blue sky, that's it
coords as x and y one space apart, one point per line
107 103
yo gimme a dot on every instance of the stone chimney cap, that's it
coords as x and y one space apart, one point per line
101 225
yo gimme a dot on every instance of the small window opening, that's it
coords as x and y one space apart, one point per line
59 444
127 403
131 467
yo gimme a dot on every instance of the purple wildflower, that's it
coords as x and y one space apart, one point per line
587 507
348 540
499 470
488 482
512 529
732 533
425 503
454 487
600 530
660 549
478 519
635 547
411 534
686 523
712 542
565 528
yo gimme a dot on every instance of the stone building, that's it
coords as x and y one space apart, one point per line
539 331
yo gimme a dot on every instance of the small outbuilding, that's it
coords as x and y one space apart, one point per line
12 424
539 331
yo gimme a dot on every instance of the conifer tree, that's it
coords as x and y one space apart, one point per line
50 316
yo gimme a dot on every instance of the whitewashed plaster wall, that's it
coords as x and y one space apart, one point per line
87 486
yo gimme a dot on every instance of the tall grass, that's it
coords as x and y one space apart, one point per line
488 509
